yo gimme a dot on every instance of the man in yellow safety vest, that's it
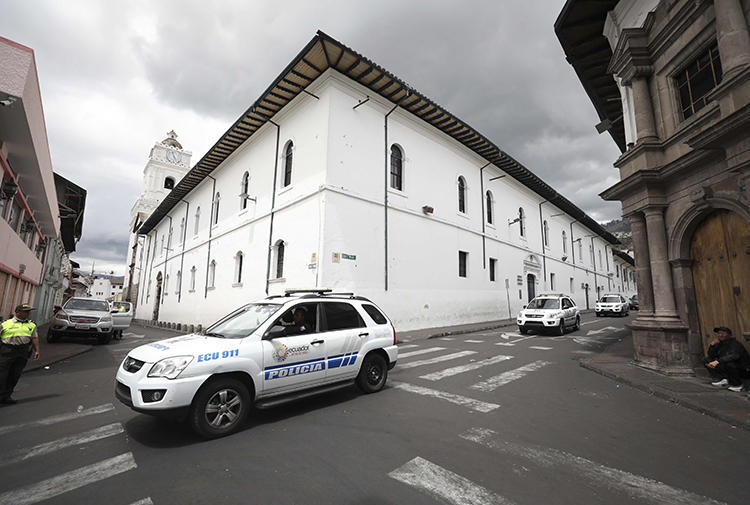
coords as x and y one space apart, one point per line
17 338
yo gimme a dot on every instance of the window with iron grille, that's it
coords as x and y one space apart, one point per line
697 79
490 216
493 264
288 154
397 168
279 259
461 195
462 259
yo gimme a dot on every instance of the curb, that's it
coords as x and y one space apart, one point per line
57 360
468 330
660 393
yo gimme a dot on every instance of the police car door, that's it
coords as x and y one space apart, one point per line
345 332
294 361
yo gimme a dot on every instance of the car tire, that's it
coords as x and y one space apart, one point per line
373 373
598 315
219 408
522 330
560 330
52 337
104 338
578 324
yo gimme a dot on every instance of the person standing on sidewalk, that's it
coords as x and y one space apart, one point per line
17 338
727 360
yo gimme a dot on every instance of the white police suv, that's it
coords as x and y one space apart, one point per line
263 354
549 311
612 303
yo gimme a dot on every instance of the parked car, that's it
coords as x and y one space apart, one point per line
633 302
122 316
263 354
82 317
612 304
549 311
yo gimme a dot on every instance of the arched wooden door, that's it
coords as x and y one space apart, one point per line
720 250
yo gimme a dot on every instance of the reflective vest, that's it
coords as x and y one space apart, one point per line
13 328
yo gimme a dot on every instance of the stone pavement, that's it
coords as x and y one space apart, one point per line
695 393
53 353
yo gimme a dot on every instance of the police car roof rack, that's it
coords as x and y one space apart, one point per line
318 292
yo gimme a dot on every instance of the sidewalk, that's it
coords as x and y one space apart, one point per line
695 393
53 353
443 331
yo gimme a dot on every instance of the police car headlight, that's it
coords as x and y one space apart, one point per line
106 319
170 368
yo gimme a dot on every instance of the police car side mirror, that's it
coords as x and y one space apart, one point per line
275 332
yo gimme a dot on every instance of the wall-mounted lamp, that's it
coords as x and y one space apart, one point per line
245 196
514 221
427 209
21 268
565 258
9 189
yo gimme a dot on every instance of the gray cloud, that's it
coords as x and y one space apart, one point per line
115 77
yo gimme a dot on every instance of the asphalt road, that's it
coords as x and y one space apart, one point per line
484 418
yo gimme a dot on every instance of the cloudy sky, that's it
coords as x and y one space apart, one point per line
116 76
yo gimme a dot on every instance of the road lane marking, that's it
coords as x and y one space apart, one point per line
56 445
99 409
439 359
504 378
448 372
540 348
69 481
445 485
145 501
407 346
583 352
464 401
421 351
447 339
508 344
474 341
638 488
134 335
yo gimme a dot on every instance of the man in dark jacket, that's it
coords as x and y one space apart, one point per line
727 360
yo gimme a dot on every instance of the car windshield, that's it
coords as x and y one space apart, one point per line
611 299
544 303
82 304
244 321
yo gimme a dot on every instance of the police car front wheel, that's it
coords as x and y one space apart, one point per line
219 408
373 374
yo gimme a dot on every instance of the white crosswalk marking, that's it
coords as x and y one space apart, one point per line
447 339
474 341
639 489
507 344
421 351
145 501
540 348
473 404
504 378
56 445
448 372
445 485
438 359
69 481
99 409
133 335
406 346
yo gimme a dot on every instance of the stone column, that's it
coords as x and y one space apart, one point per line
661 271
642 265
643 109
732 35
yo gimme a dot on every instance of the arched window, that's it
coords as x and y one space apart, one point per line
166 283
179 282
522 221
591 255
397 168
490 210
217 199
545 233
197 220
212 274
181 237
169 240
243 190
580 250
192 278
279 259
461 194
288 154
600 257
565 242
238 258
162 244
168 183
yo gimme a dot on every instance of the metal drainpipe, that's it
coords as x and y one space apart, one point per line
166 258
210 226
481 186
593 263
273 203
573 245
150 266
385 186
182 254
544 256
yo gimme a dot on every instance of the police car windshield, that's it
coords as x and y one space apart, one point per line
80 304
244 321
544 303
611 299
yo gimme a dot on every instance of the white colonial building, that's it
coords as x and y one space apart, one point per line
342 176
167 163
624 279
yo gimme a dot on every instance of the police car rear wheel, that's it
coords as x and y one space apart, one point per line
219 408
373 374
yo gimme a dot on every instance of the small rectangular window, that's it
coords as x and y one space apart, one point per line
375 314
697 79
551 281
572 286
462 259
342 316
493 263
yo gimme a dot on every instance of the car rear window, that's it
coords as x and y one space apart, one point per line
375 314
342 316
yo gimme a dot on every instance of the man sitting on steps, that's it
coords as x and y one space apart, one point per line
727 360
